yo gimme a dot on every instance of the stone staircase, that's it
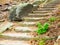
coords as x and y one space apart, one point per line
21 33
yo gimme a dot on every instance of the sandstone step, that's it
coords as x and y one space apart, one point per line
14 42
53 3
37 16
34 18
47 6
46 9
20 36
38 11
50 6
47 14
25 29
49 10
25 23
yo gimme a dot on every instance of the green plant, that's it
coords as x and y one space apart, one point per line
42 28
52 19
42 41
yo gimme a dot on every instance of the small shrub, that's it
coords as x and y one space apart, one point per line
42 28
52 19
42 41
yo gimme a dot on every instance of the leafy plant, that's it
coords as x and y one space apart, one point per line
42 41
52 19
42 28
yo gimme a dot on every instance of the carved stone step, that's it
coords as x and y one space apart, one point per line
53 3
46 9
20 36
34 18
47 14
14 42
27 24
25 29
41 11
37 16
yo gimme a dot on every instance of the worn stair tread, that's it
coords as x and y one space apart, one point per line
34 18
22 36
14 42
25 29
44 11
37 16
40 14
38 11
54 2
26 23
47 8
51 4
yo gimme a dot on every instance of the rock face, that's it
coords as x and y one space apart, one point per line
17 12
21 10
